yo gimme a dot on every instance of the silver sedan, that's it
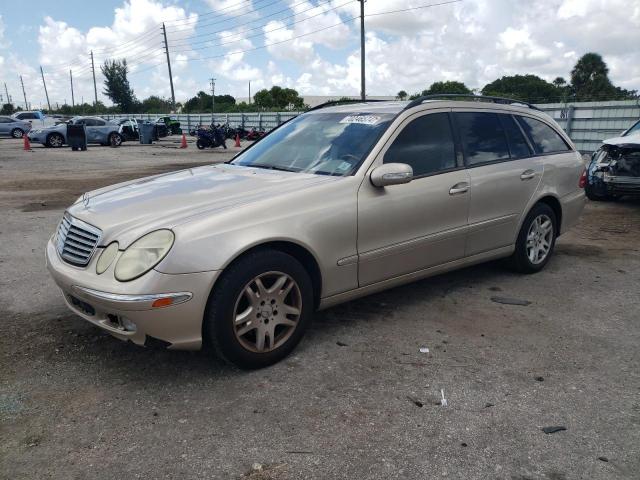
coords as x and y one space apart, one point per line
97 129
341 202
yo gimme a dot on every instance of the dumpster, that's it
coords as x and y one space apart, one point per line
76 137
146 131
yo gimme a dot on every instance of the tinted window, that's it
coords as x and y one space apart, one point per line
6 120
426 144
27 116
544 138
482 136
517 144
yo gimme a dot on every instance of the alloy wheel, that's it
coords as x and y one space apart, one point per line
539 239
267 312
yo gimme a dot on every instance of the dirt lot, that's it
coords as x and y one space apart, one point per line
358 399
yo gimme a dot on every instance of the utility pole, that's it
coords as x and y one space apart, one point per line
73 103
7 92
45 88
363 93
95 89
26 105
166 49
213 97
249 92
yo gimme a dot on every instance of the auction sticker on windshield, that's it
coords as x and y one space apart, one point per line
361 119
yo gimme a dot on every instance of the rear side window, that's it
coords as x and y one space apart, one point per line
482 137
518 146
426 144
544 138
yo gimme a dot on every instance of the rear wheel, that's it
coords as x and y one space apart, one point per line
115 140
536 240
55 140
17 133
259 309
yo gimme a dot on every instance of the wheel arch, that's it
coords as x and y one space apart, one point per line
556 206
301 253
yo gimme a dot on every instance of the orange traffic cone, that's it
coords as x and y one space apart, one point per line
27 145
237 140
183 144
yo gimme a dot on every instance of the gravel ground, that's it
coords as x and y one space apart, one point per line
358 399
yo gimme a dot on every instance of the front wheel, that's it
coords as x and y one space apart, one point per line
536 240
259 309
201 144
17 133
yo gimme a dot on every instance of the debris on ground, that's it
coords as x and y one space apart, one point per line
511 301
341 344
265 472
416 402
443 402
424 350
603 459
539 379
550 430
488 405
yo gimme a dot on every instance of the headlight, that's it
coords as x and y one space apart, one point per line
143 254
106 258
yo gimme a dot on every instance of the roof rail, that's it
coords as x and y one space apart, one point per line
475 98
345 101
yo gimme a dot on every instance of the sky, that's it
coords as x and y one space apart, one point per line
310 45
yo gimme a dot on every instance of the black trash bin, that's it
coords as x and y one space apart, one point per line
76 137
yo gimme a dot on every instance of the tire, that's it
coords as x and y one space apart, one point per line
251 343
532 242
201 144
17 133
115 139
55 140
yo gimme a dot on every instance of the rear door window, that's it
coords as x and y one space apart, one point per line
426 144
518 146
544 138
482 136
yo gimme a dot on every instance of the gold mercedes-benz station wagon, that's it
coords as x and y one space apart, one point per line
340 202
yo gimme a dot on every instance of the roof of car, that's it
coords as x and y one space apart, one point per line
395 107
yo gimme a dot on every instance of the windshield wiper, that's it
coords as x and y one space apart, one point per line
271 167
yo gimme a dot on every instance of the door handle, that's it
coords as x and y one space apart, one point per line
527 175
458 188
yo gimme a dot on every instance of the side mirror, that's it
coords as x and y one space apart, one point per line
391 174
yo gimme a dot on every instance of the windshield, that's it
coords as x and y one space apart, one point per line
322 143
634 129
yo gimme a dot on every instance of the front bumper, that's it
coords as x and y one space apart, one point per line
40 137
124 309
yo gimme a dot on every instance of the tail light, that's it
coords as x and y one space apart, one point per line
583 179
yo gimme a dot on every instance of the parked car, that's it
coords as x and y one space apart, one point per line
172 124
35 117
98 131
614 170
13 127
129 128
340 202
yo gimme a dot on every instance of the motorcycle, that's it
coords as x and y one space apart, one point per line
255 134
210 138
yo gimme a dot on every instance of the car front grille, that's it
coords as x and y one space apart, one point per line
76 240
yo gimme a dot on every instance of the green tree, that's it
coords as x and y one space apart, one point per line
7 109
202 103
278 98
117 86
590 80
155 104
402 95
449 86
529 88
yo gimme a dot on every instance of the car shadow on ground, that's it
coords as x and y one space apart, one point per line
73 343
